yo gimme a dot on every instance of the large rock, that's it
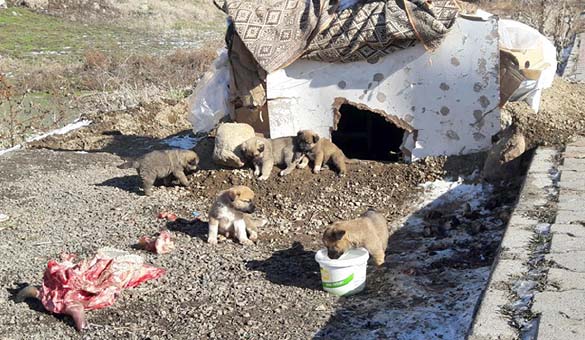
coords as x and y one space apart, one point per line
228 139
503 159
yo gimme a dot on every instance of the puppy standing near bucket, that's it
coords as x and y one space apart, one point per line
370 231
230 216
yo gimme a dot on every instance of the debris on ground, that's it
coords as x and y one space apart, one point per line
167 216
161 244
72 288
503 159
4 217
560 117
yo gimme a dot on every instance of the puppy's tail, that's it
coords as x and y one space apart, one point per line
26 293
128 164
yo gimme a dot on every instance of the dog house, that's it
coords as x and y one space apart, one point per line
383 79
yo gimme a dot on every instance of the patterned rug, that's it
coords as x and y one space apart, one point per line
277 32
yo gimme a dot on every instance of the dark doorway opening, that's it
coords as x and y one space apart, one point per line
365 134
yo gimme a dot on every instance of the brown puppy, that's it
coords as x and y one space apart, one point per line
161 164
229 216
265 153
370 231
322 151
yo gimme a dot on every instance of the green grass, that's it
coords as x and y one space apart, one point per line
23 34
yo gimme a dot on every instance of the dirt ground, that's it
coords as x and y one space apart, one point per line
65 193
561 115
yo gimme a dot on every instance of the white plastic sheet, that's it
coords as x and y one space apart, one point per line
210 101
517 36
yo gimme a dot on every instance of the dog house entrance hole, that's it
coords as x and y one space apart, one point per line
365 134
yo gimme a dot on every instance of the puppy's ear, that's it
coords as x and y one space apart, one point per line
315 138
232 195
300 133
338 234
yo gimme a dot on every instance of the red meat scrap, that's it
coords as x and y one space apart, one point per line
72 288
162 244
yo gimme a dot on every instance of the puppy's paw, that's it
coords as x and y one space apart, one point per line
283 173
247 242
212 241
301 165
253 236
316 169
256 173
263 178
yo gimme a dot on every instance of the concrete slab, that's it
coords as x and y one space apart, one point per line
563 243
570 303
563 280
572 230
515 244
575 148
570 217
555 326
574 261
489 323
522 220
573 164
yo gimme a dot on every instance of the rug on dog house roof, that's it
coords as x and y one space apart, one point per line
295 64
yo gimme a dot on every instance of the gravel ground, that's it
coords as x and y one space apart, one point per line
438 258
78 202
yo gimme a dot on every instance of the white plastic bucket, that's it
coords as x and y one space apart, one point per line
345 275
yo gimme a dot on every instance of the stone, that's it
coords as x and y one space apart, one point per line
228 139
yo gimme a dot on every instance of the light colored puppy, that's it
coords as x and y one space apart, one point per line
229 216
370 231
266 153
322 152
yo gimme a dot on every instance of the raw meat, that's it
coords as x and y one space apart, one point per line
72 288
159 245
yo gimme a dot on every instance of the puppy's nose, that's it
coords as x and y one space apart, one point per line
251 208
333 254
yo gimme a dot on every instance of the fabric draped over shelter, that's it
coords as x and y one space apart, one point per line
264 36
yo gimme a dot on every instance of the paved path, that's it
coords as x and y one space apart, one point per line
537 285
562 303
575 69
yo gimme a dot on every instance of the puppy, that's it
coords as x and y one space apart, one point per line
322 151
370 231
229 216
265 153
162 164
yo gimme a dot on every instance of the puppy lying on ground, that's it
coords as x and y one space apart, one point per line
322 152
162 164
265 153
229 216
370 231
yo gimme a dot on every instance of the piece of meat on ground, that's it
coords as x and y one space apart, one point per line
72 288
162 244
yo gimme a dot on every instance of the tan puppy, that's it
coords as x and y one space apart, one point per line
370 231
161 164
265 153
322 151
229 216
